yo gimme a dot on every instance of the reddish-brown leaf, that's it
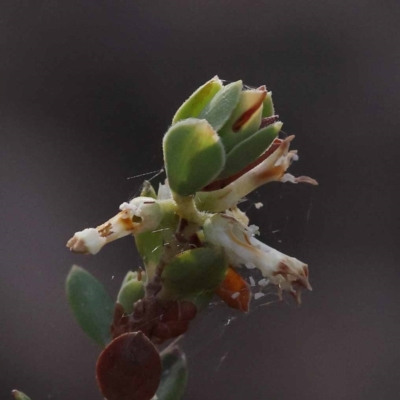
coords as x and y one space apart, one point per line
129 368
178 311
232 284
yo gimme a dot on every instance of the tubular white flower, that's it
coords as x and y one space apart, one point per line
271 169
242 248
139 215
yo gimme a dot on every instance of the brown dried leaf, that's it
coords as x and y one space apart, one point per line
232 284
129 368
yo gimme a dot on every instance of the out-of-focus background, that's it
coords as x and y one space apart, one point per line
87 89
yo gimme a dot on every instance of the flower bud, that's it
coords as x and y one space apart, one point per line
132 290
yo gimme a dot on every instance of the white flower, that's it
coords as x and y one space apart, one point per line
139 215
241 248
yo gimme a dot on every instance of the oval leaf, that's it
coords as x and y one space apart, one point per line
129 368
131 291
220 108
90 304
193 106
250 149
245 119
19 395
174 375
193 156
194 271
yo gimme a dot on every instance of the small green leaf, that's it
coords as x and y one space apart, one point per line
174 375
245 119
268 106
194 271
148 190
250 149
193 155
150 247
131 291
130 275
193 106
91 305
19 395
220 108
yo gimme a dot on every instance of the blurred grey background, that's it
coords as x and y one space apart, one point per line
87 89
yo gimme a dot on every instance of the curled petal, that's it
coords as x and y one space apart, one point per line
242 248
298 179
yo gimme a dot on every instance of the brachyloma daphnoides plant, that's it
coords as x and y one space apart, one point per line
193 238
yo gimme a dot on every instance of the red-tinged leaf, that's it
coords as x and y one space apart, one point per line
233 284
267 121
245 119
129 368
247 114
169 330
178 311
221 183
250 150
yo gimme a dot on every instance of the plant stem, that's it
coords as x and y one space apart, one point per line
186 208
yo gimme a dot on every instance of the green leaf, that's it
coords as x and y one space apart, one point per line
150 247
148 190
250 149
130 276
194 271
174 375
19 395
245 119
193 155
90 304
220 108
131 291
193 106
268 106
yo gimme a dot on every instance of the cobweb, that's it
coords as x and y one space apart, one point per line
218 320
